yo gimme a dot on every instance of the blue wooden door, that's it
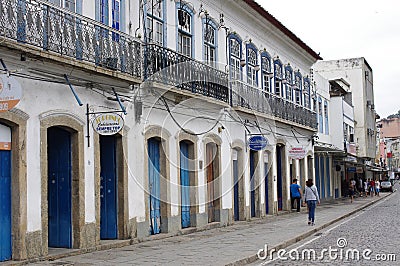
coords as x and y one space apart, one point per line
266 171
154 185
236 190
108 188
59 188
5 205
317 173
322 165
328 178
252 187
279 177
185 185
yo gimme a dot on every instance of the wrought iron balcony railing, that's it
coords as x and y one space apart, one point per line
169 67
247 96
66 33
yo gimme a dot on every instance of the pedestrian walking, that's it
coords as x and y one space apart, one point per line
311 197
377 187
361 186
366 188
351 190
295 194
372 187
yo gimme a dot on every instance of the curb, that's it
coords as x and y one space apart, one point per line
254 258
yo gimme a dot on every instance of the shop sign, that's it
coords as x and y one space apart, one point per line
108 124
258 143
359 170
10 92
351 169
297 153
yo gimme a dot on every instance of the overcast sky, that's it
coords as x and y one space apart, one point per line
350 29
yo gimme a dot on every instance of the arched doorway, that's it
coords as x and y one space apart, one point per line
281 177
187 184
153 149
5 194
254 185
59 187
108 188
213 192
268 184
238 185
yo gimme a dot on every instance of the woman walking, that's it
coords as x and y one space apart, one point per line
311 197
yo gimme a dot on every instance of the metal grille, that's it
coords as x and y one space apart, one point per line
169 67
69 34
247 96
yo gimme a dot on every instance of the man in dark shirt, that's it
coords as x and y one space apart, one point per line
295 194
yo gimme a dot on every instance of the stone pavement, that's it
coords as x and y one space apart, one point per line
232 245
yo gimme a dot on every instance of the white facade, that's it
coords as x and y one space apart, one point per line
359 75
168 105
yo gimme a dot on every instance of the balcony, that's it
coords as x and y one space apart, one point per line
249 97
50 28
168 67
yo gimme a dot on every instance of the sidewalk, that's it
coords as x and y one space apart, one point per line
232 245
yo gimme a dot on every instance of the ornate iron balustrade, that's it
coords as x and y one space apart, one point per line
170 67
43 25
247 96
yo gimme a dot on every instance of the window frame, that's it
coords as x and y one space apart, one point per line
298 88
307 93
326 116
185 32
207 46
266 72
278 88
320 116
252 73
158 24
288 83
235 69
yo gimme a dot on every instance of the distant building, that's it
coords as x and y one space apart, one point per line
389 143
358 74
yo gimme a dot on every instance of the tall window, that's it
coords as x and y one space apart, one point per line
320 116
185 32
115 18
235 47
326 117
278 77
307 95
289 82
252 72
209 43
266 72
104 12
155 22
298 87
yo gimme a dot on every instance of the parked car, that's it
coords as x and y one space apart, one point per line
386 186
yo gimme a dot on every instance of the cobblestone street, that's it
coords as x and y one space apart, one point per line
370 237
238 244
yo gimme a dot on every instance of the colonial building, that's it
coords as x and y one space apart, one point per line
389 144
358 74
124 119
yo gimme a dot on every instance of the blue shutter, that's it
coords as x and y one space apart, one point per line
236 190
5 205
328 178
185 185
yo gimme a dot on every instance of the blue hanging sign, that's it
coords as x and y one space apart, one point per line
257 143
